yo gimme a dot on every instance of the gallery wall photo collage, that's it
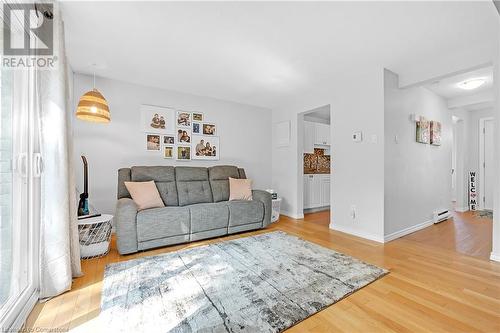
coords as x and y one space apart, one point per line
179 134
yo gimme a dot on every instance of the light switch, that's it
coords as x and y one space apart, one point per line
357 136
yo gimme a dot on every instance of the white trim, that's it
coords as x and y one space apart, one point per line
292 215
495 256
461 209
357 233
481 160
406 231
24 313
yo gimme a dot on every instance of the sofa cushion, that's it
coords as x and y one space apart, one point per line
144 194
163 222
192 185
219 180
245 212
208 216
164 178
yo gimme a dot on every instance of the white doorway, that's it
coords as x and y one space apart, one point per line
486 162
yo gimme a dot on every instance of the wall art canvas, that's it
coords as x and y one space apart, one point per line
156 119
152 142
183 153
205 147
196 128
183 119
435 133
197 116
183 135
423 130
209 129
168 152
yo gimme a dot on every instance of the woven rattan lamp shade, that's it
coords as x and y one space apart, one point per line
93 107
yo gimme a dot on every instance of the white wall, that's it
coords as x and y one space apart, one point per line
495 253
417 176
356 98
245 136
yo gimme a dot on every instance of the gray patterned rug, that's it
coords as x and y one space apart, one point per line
263 283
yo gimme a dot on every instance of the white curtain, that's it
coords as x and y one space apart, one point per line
60 252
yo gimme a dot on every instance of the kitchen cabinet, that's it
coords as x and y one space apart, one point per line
321 134
309 136
316 190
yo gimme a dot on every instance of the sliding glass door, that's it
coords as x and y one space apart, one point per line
18 198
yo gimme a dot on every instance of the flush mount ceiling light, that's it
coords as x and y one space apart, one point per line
471 84
93 107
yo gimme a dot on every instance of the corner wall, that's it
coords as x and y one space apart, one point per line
417 176
356 98
244 131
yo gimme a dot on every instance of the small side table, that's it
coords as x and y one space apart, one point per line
275 215
95 236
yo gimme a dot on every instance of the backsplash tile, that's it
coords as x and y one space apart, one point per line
317 162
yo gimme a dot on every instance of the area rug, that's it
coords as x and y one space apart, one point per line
263 283
487 214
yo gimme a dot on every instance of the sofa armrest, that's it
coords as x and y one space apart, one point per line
126 226
266 199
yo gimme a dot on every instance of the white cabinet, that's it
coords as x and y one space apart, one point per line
316 191
309 137
322 134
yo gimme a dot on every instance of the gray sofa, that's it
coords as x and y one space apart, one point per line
197 207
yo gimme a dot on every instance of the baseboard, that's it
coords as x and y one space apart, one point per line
357 233
462 209
406 231
292 215
495 256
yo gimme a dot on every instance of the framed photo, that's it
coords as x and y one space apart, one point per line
196 128
209 129
152 142
184 119
205 147
197 116
183 136
156 119
168 152
168 139
435 133
183 153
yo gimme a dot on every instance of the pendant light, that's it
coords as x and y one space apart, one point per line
93 107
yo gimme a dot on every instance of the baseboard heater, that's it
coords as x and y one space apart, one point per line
441 215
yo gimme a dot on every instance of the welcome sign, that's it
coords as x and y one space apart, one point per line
472 191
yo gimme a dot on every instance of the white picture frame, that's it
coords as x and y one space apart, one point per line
213 153
197 117
183 153
153 142
209 129
183 119
157 119
183 136
170 149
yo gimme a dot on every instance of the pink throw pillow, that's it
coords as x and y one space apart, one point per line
240 189
144 194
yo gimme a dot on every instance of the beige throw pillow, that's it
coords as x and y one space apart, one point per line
240 189
144 194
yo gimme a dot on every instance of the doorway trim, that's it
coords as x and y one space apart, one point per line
481 159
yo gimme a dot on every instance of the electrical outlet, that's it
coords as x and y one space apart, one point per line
353 212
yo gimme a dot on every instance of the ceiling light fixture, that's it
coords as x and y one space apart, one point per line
93 107
471 84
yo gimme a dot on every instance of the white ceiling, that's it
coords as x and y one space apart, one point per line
448 87
263 53
470 100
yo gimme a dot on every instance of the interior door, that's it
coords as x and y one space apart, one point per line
488 164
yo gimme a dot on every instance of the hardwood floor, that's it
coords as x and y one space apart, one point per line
466 233
431 287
